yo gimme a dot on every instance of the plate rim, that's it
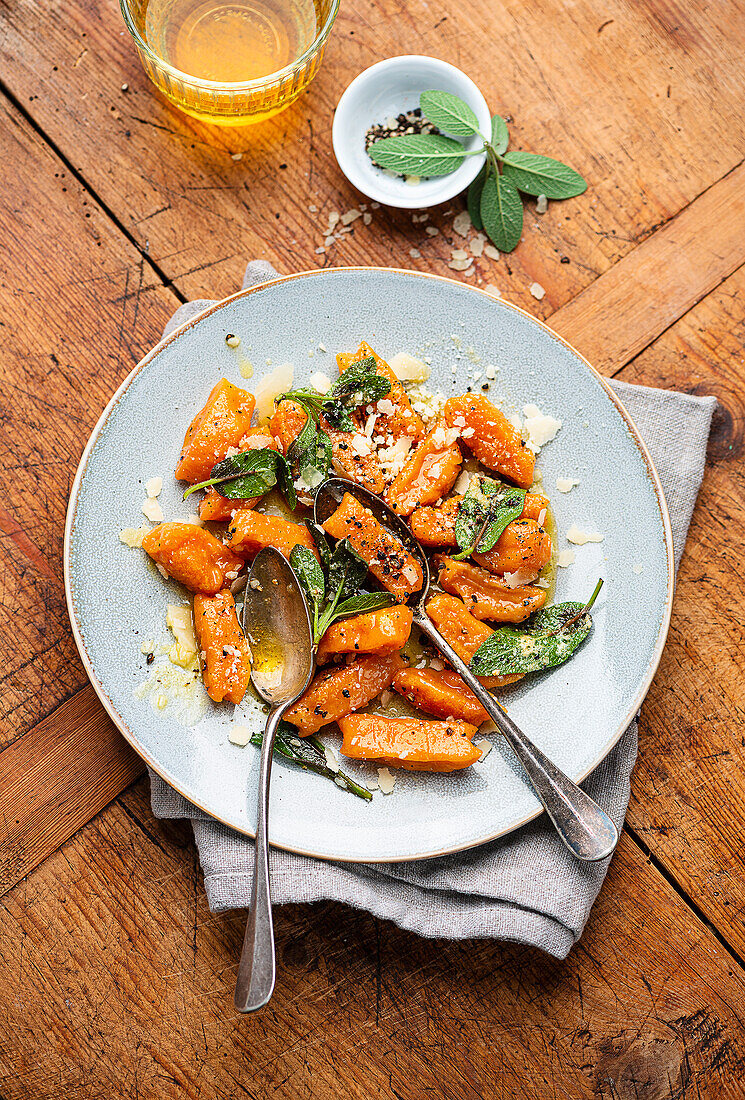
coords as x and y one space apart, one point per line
130 736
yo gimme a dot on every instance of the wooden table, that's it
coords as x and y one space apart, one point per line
116 980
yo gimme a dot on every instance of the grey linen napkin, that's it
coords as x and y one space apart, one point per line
525 887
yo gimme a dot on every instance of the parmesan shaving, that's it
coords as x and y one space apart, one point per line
152 510
133 536
541 429
239 735
272 385
579 538
409 369
386 780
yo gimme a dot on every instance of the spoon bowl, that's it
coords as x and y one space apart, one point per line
277 626
276 623
583 826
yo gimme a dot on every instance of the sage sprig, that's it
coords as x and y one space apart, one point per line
494 202
360 384
333 589
549 638
308 753
486 509
250 474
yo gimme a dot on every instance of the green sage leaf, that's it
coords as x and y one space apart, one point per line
307 753
549 638
318 535
538 175
473 200
309 574
346 571
486 509
247 474
363 603
418 154
502 212
310 453
500 135
449 113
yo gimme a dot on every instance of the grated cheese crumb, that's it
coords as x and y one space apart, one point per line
565 558
537 291
332 760
566 484
484 746
491 251
462 223
638 569
154 486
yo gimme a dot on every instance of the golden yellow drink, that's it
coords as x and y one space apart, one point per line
230 61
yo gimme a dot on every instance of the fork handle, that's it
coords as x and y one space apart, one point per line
586 830
257 968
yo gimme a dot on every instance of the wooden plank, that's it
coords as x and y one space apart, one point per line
51 787
688 800
651 139
618 315
119 984
78 306
623 292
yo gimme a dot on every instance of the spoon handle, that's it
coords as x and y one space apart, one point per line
257 968
587 831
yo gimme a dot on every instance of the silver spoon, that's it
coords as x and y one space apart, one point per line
277 626
587 831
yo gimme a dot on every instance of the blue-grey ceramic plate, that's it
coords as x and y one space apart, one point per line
576 713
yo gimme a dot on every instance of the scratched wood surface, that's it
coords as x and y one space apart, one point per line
116 980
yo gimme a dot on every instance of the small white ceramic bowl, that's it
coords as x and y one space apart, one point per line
384 90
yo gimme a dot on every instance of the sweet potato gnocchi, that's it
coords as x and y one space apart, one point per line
461 475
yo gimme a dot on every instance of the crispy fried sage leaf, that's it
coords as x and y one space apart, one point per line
250 474
549 638
483 514
309 573
310 453
346 570
363 603
308 753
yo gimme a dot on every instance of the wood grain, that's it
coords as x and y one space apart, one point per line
78 306
116 979
688 799
619 314
138 976
644 99
55 778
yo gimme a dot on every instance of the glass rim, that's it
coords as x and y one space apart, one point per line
213 85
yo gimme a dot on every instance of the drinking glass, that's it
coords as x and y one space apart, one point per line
228 102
